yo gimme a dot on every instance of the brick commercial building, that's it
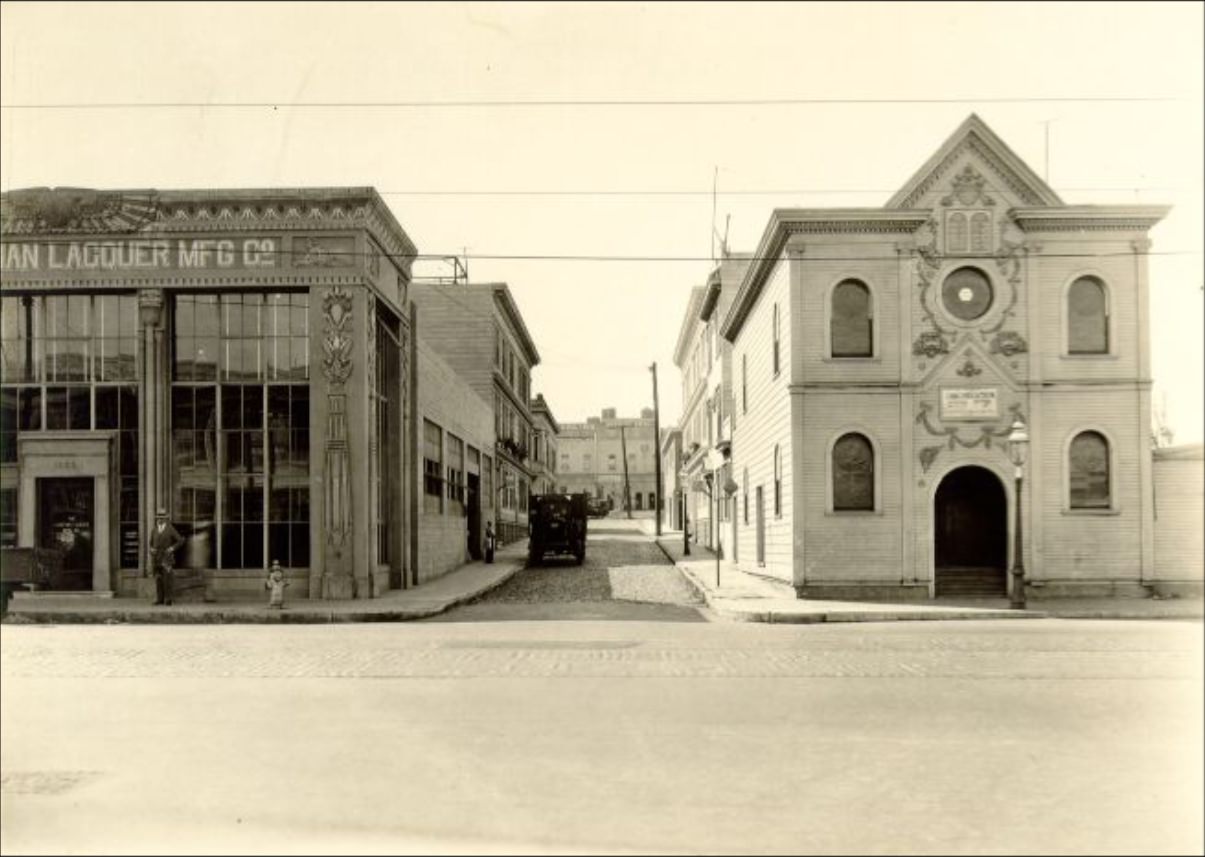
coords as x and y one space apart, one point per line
455 483
889 351
243 358
592 459
477 329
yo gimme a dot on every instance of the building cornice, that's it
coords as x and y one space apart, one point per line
510 311
1090 218
688 325
37 212
785 222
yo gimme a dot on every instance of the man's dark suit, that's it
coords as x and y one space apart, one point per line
164 543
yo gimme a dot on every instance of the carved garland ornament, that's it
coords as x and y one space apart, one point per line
952 439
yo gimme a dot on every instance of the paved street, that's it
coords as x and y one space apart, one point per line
1047 736
625 576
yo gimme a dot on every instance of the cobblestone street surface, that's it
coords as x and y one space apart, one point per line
625 576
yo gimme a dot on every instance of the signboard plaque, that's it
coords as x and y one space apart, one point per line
970 403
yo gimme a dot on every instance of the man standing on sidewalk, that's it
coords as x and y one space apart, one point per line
164 543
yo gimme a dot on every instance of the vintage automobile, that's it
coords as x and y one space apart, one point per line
556 525
598 507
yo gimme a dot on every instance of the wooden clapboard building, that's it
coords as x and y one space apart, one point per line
886 353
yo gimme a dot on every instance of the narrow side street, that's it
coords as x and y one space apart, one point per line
625 576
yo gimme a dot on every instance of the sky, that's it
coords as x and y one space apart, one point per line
758 106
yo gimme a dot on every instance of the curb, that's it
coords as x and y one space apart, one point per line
303 616
773 617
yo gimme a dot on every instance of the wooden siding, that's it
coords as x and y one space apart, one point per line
767 422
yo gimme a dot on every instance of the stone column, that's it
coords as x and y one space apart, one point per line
152 422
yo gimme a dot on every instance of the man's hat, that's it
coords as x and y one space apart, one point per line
162 513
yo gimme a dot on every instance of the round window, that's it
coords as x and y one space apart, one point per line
967 293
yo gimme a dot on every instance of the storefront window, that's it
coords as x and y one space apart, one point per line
240 431
70 362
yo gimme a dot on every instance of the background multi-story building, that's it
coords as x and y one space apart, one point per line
478 330
592 456
705 360
543 447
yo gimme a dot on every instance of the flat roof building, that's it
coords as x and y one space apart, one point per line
242 358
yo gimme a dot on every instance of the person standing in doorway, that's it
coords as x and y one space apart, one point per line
164 542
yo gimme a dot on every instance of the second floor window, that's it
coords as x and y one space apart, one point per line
851 321
1087 317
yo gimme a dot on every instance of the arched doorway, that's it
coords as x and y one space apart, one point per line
970 534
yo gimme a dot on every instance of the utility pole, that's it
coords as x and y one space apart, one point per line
627 492
657 447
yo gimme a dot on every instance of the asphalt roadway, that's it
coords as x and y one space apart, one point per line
528 724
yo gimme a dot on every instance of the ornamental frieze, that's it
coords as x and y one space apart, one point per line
56 210
952 439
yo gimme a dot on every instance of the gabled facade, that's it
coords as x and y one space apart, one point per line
888 353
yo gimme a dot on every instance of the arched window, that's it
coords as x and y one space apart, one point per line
956 233
1089 465
981 239
777 482
853 474
852 322
777 349
1087 317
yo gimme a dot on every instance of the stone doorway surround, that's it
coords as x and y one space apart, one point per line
70 454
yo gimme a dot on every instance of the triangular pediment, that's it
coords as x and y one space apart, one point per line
972 149
968 364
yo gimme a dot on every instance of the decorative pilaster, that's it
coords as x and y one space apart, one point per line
338 579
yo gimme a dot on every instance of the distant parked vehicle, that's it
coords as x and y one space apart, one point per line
598 507
557 525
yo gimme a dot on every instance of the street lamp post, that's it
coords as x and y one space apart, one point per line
1018 446
685 528
714 493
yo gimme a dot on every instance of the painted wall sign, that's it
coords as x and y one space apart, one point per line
970 403
140 254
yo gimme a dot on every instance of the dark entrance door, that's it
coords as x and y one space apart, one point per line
65 525
474 512
970 533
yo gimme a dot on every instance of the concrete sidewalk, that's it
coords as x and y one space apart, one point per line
455 587
749 598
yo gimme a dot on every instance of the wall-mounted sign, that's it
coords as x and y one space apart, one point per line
969 403
140 254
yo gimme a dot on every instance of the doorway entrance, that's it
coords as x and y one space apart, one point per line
474 516
66 525
970 534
